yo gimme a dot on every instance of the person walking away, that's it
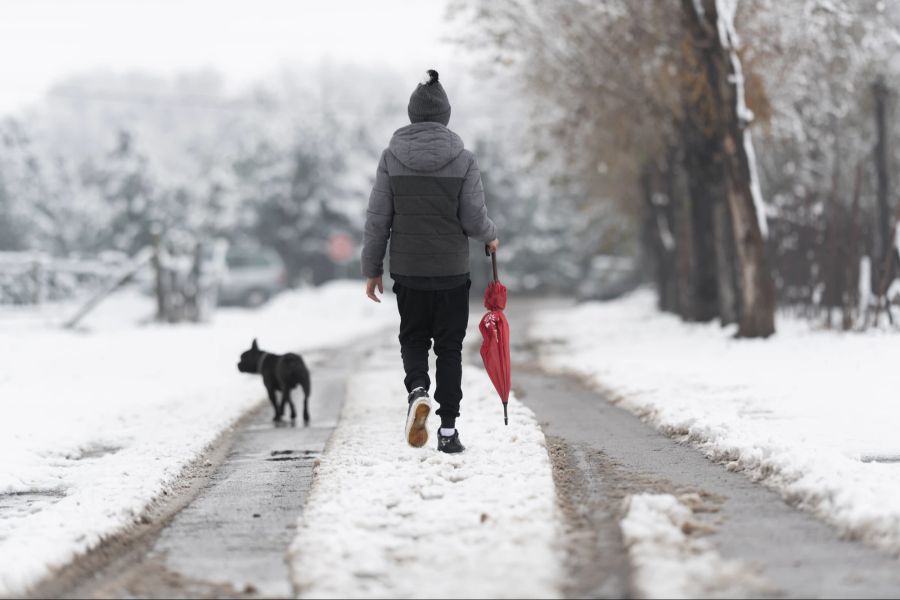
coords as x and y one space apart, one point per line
428 199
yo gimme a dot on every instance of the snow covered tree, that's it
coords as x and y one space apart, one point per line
291 189
12 235
821 60
711 27
46 207
123 179
639 103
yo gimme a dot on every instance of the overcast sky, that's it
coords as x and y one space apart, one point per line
42 41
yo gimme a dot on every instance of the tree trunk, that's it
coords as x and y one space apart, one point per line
883 229
851 263
830 263
715 43
658 239
726 275
667 224
685 253
704 185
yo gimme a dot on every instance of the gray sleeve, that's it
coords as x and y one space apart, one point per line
472 211
379 217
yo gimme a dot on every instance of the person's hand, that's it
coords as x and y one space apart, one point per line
493 245
371 284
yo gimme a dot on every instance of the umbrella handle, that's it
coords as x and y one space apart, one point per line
493 255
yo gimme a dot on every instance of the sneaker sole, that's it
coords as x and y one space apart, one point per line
417 434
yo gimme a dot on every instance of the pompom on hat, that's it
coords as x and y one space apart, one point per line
428 101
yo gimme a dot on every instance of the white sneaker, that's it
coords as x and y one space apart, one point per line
417 418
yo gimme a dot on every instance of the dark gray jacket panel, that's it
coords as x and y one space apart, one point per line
427 200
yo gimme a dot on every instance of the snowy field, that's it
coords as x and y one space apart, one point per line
389 521
813 414
95 424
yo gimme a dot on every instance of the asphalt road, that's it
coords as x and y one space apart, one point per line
602 454
227 531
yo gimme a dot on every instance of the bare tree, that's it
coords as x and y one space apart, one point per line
884 247
711 26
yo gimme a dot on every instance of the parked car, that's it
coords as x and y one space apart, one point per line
252 276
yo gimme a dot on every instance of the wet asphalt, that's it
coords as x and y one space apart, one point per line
603 453
231 539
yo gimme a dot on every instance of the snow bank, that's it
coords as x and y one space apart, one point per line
670 559
386 520
93 427
813 414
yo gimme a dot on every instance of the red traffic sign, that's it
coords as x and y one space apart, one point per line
340 247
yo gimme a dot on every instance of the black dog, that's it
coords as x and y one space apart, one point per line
280 372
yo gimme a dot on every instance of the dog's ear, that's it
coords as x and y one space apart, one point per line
254 346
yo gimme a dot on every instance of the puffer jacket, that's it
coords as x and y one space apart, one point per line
427 200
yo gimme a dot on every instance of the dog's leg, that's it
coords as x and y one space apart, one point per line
305 384
305 407
286 399
274 402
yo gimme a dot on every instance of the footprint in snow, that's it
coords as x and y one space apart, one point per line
431 492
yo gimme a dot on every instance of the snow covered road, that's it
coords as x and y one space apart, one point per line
601 507
225 529
704 531
389 521
95 426
812 414
382 520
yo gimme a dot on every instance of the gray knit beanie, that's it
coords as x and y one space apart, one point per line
429 102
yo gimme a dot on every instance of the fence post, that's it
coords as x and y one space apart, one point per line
156 241
194 291
38 273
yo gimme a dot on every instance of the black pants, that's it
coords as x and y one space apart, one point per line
442 316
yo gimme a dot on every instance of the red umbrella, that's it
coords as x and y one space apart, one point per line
495 330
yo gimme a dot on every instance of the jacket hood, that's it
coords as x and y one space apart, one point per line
425 146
